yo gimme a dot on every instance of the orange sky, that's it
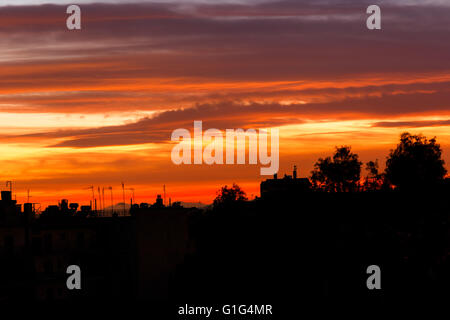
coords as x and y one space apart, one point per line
98 106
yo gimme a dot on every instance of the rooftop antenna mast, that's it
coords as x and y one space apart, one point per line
123 198
132 198
112 205
103 199
100 199
93 195
164 195
36 211
10 185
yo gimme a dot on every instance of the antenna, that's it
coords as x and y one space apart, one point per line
123 198
10 185
93 195
112 205
164 195
36 211
99 199
132 190
103 199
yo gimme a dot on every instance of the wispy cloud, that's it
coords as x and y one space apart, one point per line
412 124
311 67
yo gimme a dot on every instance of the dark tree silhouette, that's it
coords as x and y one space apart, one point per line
372 167
337 174
374 179
228 196
415 163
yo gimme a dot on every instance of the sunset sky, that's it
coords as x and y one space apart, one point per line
97 106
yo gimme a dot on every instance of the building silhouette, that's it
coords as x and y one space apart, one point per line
317 242
35 251
287 186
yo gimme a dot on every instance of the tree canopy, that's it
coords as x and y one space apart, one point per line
415 163
337 174
227 196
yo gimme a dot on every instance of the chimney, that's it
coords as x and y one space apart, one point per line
295 172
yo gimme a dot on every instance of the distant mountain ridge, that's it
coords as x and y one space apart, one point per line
199 205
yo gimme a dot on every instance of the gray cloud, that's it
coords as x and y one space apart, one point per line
223 115
207 42
412 124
